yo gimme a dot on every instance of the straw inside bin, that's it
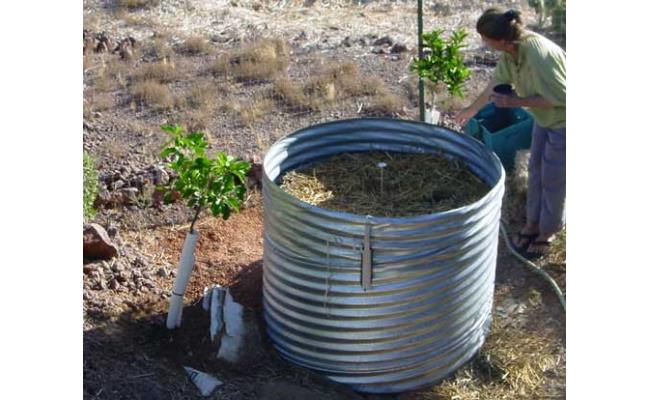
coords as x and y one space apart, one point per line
404 185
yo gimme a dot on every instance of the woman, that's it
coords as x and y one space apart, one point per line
535 67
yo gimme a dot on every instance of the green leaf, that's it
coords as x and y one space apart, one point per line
444 62
202 181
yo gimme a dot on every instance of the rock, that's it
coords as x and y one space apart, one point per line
301 36
111 230
118 184
96 243
89 268
122 277
139 262
113 284
100 285
346 42
160 176
137 181
398 48
383 40
162 272
103 198
148 283
127 196
117 267
378 50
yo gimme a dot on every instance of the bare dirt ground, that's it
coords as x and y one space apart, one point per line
326 52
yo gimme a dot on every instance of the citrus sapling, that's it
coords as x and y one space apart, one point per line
443 63
215 184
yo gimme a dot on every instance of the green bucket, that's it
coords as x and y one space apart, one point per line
503 130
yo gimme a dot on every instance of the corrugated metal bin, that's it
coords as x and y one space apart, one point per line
381 304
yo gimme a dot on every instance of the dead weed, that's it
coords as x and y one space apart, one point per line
201 95
290 94
385 105
159 47
196 45
161 72
132 5
152 93
250 113
256 61
111 73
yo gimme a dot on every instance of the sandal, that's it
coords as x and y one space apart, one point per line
524 240
542 251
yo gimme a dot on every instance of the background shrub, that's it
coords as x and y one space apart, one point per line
90 186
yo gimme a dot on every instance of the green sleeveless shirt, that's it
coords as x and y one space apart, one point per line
540 69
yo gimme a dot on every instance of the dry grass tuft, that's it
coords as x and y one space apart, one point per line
291 95
253 111
132 5
384 105
373 86
221 66
345 77
153 94
113 149
162 72
412 91
99 102
133 19
321 89
230 106
196 45
202 95
196 121
159 48
111 74
339 82
258 61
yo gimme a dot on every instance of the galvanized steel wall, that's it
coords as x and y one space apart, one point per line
426 305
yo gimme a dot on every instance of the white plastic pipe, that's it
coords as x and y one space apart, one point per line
431 116
185 266
204 382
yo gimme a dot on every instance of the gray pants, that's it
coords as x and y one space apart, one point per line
547 180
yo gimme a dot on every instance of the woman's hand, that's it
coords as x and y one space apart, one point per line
505 100
463 116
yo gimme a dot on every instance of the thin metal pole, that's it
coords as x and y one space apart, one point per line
420 55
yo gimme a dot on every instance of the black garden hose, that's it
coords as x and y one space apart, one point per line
531 266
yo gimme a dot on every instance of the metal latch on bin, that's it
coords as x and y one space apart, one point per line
366 261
